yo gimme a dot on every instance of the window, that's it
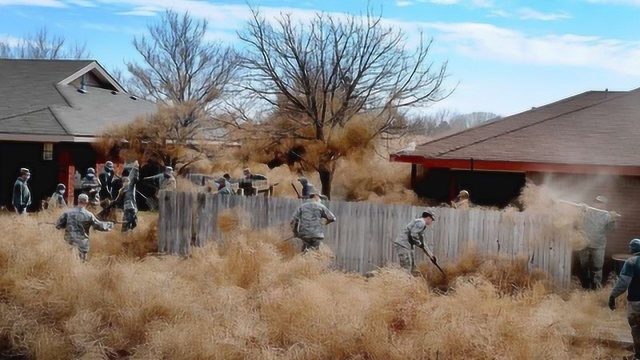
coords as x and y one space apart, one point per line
47 151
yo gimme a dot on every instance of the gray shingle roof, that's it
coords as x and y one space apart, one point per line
33 101
93 112
38 122
593 128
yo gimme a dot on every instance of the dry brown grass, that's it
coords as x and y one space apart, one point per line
254 297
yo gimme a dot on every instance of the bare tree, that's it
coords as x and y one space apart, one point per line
179 65
42 45
323 74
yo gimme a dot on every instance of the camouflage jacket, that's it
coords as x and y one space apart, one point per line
226 190
163 182
90 183
306 220
77 223
57 200
130 191
412 234
597 223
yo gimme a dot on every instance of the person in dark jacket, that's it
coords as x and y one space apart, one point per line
629 281
106 181
21 193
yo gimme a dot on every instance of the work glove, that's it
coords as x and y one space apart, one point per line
434 259
612 303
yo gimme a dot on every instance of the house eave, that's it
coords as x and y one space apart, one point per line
516 166
46 138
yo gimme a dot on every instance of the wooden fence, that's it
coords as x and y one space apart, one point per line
362 238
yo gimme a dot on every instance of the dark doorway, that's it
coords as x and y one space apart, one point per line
490 188
486 188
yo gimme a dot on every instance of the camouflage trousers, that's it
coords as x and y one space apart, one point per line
130 220
591 261
633 317
405 257
82 245
311 243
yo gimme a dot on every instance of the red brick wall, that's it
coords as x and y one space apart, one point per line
621 192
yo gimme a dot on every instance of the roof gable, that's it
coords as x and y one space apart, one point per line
106 81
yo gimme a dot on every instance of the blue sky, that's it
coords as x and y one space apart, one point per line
504 56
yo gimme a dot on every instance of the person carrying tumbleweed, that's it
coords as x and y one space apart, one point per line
413 235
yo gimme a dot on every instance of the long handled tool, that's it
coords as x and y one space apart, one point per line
296 190
581 205
287 239
433 260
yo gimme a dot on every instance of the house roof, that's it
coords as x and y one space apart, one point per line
40 98
593 129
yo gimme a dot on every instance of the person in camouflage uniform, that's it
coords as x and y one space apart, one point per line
57 199
413 235
462 201
629 280
224 187
306 222
21 193
77 223
130 205
164 180
91 187
597 223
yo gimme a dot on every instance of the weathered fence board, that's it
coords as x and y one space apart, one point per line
362 238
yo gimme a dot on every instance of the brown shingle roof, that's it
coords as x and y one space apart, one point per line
593 128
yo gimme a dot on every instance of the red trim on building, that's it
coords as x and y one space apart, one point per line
512 166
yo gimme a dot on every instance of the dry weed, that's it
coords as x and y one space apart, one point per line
254 297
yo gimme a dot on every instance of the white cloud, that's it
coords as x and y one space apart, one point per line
142 11
221 36
471 40
500 13
483 41
616 2
83 3
402 3
43 3
442 2
483 3
112 28
531 14
10 41
138 13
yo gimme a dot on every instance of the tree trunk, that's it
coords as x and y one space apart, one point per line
326 176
